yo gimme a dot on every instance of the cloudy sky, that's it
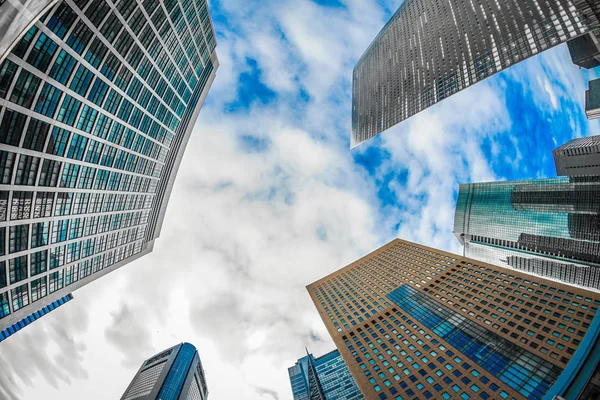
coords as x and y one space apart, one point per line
269 198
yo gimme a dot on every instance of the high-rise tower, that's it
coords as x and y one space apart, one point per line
97 102
578 157
174 374
432 49
549 227
323 378
411 320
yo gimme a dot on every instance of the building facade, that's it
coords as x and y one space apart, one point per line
578 157
592 100
323 378
430 50
97 103
412 321
548 227
585 50
16 327
174 374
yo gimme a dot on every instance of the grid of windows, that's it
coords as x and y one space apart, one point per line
430 50
550 227
93 100
415 321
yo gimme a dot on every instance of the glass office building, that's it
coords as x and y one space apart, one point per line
174 374
548 227
98 100
323 378
432 49
417 322
579 157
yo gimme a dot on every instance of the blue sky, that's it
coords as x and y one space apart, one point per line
270 198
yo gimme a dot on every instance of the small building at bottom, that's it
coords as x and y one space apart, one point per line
323 378
173 374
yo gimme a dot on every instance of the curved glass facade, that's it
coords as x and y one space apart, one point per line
97 103
550 227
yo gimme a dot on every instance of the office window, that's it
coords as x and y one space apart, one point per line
102 126
3 279
69 176
20 297
96 52
4 305
23 45
17 269
62 20
43 204
38 289
39 234
71 274
48 100
96 200
49 173
42 52
21 205
2 241
81 81
35 137
63 67
87 177
6 166
27 170
8 70
87 119
39 262
76 230
18 238
94 151
58 141
77 147
80 203
12 127
56 281
68 110
57 256
112 102
25 89
110 66
59 231
73 252
80 37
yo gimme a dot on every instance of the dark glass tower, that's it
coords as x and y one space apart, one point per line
98 100
432 49
323 378
592 99
174 374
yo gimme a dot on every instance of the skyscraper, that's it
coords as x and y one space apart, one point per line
549 227
432 49
97 102
585 50
410 320
578 157
174 374
592 99
323 378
